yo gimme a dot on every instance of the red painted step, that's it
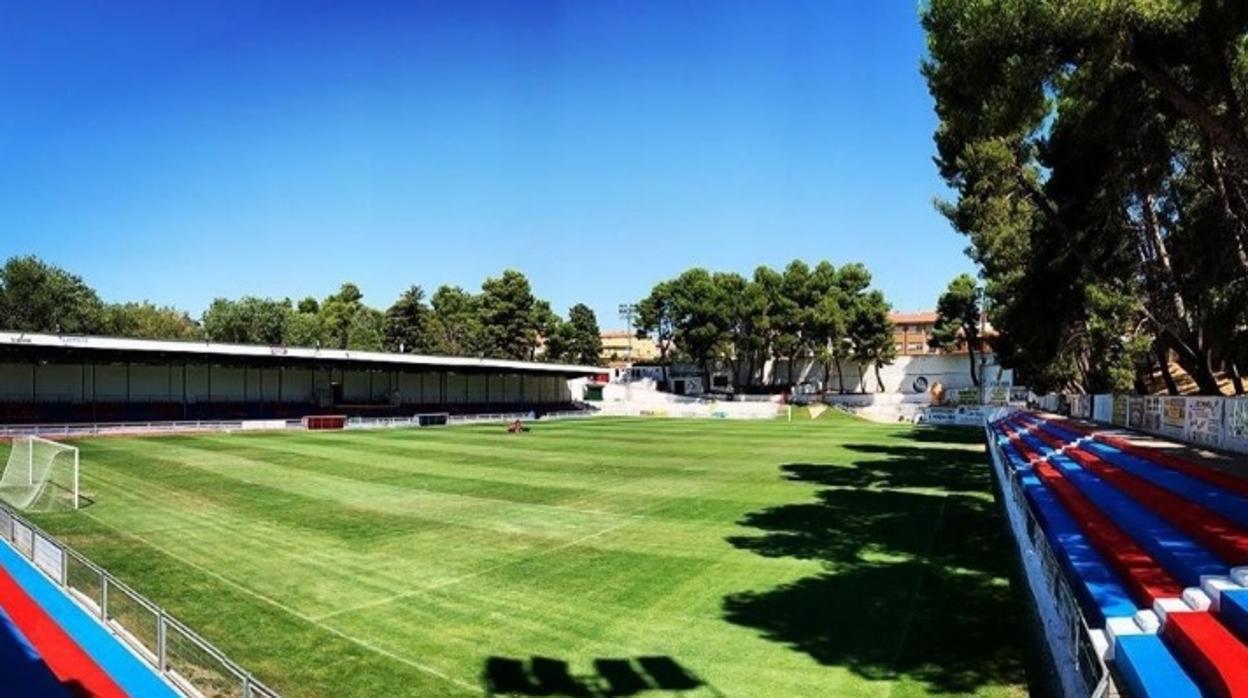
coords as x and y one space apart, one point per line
1220 535
1226 481
1143 578
1217 658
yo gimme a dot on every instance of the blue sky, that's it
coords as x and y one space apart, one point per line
181 151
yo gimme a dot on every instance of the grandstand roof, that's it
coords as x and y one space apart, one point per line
105 346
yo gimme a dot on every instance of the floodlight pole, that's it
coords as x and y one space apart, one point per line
627 311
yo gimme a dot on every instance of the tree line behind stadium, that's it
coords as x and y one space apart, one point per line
700 317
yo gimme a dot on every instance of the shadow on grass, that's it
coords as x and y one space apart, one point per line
543 676
914 467
915 583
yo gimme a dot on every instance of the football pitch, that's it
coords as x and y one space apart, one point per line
603 557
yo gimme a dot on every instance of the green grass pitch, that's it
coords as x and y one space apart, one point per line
603 557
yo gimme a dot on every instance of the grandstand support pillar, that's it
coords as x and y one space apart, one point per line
95 403
127 384
185 412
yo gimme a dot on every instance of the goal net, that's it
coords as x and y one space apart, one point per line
40 475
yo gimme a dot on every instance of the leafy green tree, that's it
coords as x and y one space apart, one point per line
745 316
455 327
249 320
303 328
147 321
545 321
366 331
871 334
39 297
407 323
852 281
791 315
1099 155
700 321
309 306
585 346
559 343
656 318
338 312
958 316
512 319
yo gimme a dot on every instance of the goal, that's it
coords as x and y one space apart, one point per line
40 475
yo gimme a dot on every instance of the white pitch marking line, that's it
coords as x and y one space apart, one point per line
298 614
464 577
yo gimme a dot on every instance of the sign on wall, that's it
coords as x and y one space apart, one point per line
1103 408
1152 414
940 415
1119 410
997 393
1204 420
1135 412
1235 436
1174 417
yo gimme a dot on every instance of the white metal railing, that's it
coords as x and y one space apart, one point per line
157 427
94 428
188 662
489 417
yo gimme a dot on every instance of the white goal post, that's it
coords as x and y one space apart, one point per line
40 475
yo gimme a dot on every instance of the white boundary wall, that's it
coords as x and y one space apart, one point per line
633 400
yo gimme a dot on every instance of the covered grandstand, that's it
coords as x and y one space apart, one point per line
61 379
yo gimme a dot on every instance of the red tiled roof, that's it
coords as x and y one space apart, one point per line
915 318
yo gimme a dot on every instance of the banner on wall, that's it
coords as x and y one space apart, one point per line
1135 412
1219 422
1204 420
1174 417
1235 424
1102 408
1118 412
1152 414
997 393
